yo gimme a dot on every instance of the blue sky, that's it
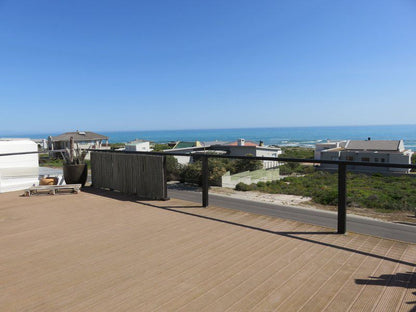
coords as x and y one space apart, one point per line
146 65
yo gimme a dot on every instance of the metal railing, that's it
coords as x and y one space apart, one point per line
342 173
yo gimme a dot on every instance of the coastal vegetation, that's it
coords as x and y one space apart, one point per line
115 146
158 147
384 193
296 168
217 167
297 152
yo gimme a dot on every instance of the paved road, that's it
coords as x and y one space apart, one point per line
356 224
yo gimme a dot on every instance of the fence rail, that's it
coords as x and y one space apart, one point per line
118 170
342 175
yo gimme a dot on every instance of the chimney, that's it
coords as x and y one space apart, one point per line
241 142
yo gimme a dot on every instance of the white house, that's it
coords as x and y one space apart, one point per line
240 147
319 147
82 140
138 146
18 172
377 151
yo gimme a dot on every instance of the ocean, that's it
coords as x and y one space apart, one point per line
283 136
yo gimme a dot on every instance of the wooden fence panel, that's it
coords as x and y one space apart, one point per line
142 175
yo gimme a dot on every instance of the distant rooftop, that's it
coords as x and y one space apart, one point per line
184 144
376 145
79 136
136 141
246 143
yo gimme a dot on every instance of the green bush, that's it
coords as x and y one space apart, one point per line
173 169
242 165
386 193
297 152
192 173
160 147
244 187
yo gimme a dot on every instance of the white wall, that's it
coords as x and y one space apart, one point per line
269 152
18 172
138 147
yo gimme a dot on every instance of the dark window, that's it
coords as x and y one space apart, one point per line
367 159
350 158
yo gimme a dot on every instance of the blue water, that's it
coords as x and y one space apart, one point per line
287 136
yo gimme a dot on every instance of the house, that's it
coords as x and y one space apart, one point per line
241 147
371 151
18 172
187 149
138 146
319 147
82 140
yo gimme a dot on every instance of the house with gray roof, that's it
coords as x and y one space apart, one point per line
240 147
82 139
371 151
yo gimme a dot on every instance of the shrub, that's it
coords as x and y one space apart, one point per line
173 169
242 165
244 187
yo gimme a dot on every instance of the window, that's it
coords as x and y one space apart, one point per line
350 158
376 159
367 159
383 160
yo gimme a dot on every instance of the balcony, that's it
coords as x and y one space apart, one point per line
105 251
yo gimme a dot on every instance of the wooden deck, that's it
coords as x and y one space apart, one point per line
91 252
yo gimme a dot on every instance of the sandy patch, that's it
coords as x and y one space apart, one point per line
277 199
406 217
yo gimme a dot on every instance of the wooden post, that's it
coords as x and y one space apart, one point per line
205 181
342 195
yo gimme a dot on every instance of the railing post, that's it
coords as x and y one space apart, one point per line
205 183
342 195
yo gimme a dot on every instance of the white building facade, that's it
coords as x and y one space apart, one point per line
382 151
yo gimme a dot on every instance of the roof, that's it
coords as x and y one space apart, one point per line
184 144
216 142
246 143
376 145
138 141
79 136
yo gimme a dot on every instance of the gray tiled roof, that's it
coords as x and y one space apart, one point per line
79 136
376 145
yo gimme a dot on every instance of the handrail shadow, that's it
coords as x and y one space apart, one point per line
290 234
125 197
405 280
283 233
397 280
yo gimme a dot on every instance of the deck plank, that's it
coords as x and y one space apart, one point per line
109 252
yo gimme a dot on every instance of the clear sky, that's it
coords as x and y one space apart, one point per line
144 65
